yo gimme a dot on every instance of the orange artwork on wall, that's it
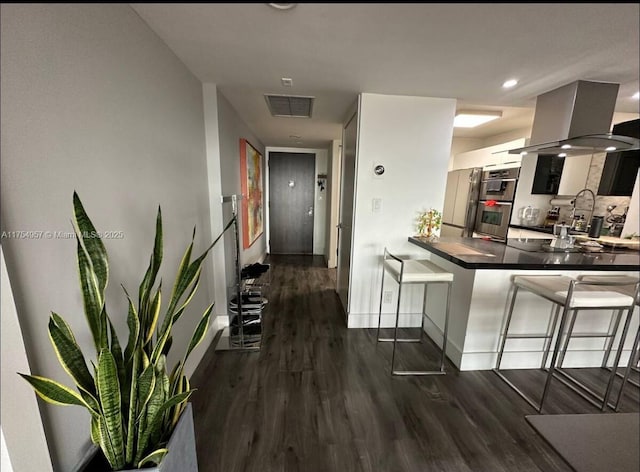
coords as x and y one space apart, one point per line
251 175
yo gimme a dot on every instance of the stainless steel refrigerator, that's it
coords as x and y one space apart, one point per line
461 202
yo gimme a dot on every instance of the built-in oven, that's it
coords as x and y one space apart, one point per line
499 184
492 219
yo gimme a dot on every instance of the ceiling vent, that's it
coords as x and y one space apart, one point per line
293 106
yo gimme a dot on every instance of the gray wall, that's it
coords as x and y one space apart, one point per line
94 101
231 129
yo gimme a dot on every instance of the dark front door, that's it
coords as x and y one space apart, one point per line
291 198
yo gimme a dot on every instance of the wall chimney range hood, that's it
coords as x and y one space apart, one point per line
575 119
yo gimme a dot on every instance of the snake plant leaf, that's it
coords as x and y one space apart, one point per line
91 402
95 430
69 354
159 347
155 314
133 322
123 378
188 298
134 404
52 391
91 296
92 242
200 332
156 420
110 399
154 263
107 446
146 384
154 458
175 293
62 324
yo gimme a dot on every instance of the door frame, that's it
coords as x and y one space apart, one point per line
354 114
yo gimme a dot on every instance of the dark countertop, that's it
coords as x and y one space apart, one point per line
526 254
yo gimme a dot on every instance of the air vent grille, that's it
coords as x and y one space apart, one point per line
290 105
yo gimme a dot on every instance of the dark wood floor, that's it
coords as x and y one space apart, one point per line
319 397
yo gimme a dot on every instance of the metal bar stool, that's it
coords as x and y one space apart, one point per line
411 271
571 295
634 357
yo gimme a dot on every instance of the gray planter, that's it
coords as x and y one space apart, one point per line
182 449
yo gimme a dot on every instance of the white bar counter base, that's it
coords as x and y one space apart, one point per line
478 307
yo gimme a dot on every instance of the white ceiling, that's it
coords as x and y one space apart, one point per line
335 51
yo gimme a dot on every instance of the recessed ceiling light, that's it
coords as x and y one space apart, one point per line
294 136
610 148
636 96
562 154
566 146
282 6
510 83
473 118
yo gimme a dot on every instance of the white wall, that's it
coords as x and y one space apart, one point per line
217 258
94 101
20 416
334 168
523 196
231 128
320 197
411 137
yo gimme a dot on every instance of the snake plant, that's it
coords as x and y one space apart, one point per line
133 399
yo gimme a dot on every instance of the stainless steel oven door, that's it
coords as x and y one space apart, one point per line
498 189
492 219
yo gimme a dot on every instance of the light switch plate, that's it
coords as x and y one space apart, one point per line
376 205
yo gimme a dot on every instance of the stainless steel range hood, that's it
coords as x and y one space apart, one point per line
575 119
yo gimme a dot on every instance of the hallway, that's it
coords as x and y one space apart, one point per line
319 398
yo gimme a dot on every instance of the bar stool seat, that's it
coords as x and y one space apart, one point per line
417 271
571 295
412 271
547 287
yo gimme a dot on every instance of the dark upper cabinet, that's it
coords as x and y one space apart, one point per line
546 180
619 173
620 168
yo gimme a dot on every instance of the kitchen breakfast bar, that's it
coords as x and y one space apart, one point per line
483 271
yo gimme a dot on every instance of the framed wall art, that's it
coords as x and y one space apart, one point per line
251 176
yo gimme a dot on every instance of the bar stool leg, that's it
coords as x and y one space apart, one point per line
395 333
612 334
567 337
551 329
556 351
625 330
506 327
446 327
381 296
633 359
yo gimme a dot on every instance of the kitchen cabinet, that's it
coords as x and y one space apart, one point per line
619 173
546 180
557 175
490 157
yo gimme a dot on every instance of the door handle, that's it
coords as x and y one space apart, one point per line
310 212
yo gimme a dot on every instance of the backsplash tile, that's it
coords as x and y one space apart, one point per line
602 202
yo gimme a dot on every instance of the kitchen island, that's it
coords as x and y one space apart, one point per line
482 281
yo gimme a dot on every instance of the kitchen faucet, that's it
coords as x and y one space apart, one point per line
590 210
